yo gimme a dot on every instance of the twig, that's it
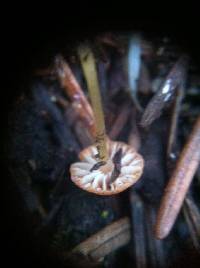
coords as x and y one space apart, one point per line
120 122
105 241
155 246
138 235
174 122
110 40
192 217
64 104
71 116
75 93
134 137
165 93
31 198
51 215
82 134
56 191
144 82
44 72
179 183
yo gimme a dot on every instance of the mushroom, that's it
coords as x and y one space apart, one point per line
122 169
107 167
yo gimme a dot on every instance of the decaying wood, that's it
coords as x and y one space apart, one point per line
31 198
120 122
138 234
63 103
174 122
179 183
75 93
105 241
48 72
134 139
165 93
111 245
155 246
192 217
52 214
110 40
82 134
144 82
71 116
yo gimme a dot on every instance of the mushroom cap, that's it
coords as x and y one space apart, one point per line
100 180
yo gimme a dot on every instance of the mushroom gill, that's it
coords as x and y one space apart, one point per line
122 169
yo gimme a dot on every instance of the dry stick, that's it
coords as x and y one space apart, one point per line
137 213
144 81
63 103
89 69
113 244
174 121
71 116
44 72
31 197
134 138
105 241
120 122
165 93
111 40
82 134
192 217
179 183
51 215
198 175
75 93
155 246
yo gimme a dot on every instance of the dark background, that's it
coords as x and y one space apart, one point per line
30 37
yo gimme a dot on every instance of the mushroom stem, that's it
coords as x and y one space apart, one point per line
88 64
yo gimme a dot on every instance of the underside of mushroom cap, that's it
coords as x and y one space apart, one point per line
123 168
